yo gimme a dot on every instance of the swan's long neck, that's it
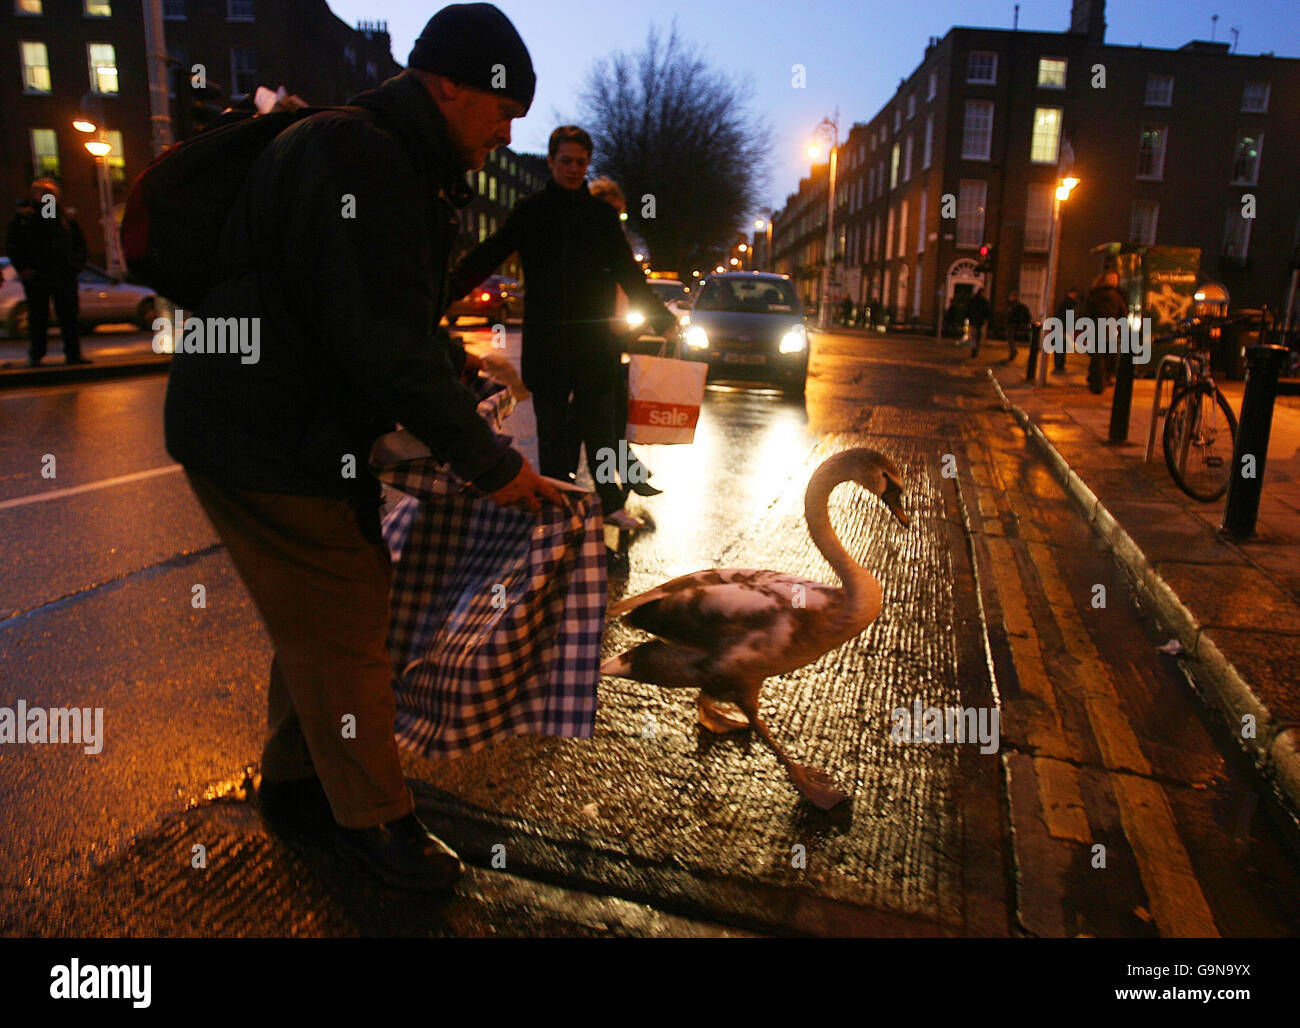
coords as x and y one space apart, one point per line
816 508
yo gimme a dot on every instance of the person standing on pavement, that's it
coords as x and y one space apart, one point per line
573 252
978 312
1018 320
349 296
1105 301
1070 302
47 250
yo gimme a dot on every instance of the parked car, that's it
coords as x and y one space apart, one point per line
676 297
497 298
750 326
104 301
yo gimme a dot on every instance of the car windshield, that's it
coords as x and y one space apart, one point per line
669 291
752 295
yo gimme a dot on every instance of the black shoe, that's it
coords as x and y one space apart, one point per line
403 854
297 807
77 360
644 489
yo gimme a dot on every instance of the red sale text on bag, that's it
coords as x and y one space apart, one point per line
674 415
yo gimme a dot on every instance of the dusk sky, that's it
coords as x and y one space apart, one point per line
855 52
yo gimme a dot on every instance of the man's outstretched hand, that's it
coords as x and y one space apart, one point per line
527 490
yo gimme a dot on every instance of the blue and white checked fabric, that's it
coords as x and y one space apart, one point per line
497 614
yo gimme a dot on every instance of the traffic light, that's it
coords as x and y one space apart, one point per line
986 258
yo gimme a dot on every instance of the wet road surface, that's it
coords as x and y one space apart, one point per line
653 826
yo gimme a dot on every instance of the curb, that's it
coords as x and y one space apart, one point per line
18 378
1276 746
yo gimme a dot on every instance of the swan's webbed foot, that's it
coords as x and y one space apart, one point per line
720 717
816 786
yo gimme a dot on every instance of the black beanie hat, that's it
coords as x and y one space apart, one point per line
466 42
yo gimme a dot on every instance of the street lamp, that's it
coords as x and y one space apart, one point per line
1064 187
760 224
99 148
828 129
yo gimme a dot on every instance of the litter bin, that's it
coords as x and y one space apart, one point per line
1228 352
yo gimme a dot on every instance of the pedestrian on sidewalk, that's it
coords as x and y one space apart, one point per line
1018 320
277 451
574 253
978 312
47 250
846 311
1105 301
1070 302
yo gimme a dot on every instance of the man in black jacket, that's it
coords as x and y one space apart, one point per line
574 253
1018 321
347 220
47 250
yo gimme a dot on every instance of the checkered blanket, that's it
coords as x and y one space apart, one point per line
497 614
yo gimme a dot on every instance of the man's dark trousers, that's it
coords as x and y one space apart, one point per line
564 425
319 574
63 291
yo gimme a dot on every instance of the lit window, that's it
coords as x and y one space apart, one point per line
1236 234
977 134
1142 225
1038 216
982 66
103 68
98 9
28 7
1151 151
45 153
36 68
1160 90
1254 98
239 10
174 10
492 188
970 212
1051 73
1245 167
116 159
243 70
928 148
482 181
889 236
893 167
902 229
1047 135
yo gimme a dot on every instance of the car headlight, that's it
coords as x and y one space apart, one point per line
684 320
795 341
697 337
635 319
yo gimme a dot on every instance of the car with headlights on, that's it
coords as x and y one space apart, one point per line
674 295
749 325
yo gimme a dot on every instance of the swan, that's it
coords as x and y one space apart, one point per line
726 630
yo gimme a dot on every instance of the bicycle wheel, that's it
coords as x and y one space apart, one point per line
1200 436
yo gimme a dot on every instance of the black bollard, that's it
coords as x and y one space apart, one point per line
1035 335
1122 403
1263 363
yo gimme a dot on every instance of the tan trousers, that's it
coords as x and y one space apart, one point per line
321 587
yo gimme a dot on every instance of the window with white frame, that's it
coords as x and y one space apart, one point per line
970 212
1044 147
982 66
1245 164
243 70
1254 98
239 10
45 152
893 166
977 132
907 157
1160 91
97 8
36 68
1142 224
103 68
1051 72
1038 216
920 221
927 147
1151 151
1033 284
911 106
29 7
934 86
1236 234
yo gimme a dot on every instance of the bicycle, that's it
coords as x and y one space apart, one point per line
1200 434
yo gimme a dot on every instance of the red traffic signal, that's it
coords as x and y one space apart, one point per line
985 250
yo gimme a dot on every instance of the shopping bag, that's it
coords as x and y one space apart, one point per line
496 614
664 398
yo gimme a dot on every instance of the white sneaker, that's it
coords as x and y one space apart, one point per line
622 519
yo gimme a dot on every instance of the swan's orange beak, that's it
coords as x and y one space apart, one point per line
893 499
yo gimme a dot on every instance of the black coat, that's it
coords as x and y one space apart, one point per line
54 248
573 252
978 310
1105 302
350 341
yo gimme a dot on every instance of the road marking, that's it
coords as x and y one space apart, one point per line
55 494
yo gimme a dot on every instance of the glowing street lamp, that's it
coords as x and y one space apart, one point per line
1064 187
81 125
828 129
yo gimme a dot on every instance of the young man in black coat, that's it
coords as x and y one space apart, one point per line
978 312
574 253
344 230
1018 320
47 250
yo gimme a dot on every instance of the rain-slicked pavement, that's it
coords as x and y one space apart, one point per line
653 826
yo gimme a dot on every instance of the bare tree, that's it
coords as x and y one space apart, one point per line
667 126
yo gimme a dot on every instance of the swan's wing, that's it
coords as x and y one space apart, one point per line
710 608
